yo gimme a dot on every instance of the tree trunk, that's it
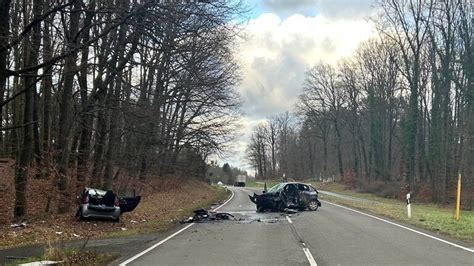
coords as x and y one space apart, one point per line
338 149
4 32
65 117
21 174
47 85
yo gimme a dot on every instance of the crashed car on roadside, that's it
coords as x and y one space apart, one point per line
97 203
288 195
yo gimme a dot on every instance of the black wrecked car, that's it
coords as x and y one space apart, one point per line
288 195
97 203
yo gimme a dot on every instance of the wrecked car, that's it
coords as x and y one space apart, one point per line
288 195
97 203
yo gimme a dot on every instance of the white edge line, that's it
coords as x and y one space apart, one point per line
154 246
169 237
289 220
222 205
404 227
310 257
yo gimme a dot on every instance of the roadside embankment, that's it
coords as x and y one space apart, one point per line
161 208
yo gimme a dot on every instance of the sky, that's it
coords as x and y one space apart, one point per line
283 39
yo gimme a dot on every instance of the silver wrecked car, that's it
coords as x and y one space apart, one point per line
97 203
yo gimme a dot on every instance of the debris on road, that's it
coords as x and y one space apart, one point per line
290 211
260 220
202 215
20 225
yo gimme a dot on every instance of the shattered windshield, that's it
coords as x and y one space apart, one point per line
276 188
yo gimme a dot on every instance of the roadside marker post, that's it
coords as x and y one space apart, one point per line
408 205
458 200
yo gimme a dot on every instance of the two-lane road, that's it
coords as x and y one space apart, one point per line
332 235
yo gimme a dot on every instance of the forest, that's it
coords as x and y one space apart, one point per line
93 90
396 117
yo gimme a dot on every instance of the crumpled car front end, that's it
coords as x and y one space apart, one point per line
264 202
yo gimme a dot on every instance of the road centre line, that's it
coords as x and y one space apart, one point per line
169 237
310 257
404 227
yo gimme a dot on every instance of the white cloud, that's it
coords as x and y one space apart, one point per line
328 8
276 55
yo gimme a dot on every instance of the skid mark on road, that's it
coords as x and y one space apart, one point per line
307 252
402 226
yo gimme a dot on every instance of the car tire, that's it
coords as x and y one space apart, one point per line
116 220
313 205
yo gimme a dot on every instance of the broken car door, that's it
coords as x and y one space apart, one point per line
303 192
290 195
128 204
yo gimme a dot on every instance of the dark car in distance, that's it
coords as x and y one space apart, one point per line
97 203
288 195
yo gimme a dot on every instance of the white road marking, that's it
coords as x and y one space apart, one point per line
222 205
404 227
169 237
154 246
306 251
309 256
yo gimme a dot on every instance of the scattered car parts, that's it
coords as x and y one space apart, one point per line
202 215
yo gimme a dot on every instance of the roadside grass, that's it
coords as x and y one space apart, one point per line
171 219
427 216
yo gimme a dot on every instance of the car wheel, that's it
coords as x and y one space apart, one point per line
116 220
313 205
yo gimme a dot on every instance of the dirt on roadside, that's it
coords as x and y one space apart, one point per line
164 202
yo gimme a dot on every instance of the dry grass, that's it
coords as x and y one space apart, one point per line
163 204
435 218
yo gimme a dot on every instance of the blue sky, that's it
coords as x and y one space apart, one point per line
283 39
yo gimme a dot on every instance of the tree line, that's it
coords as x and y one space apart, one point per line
90 90
399 112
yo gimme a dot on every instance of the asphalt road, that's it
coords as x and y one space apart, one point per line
332 235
